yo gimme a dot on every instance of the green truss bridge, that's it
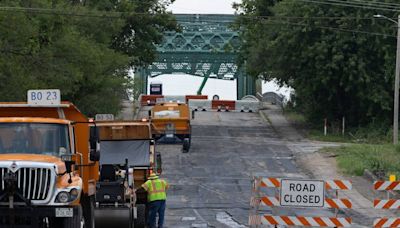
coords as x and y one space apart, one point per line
207 46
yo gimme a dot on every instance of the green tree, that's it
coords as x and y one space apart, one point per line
334 57
74 46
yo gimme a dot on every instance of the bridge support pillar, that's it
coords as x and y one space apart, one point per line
246 84
141 77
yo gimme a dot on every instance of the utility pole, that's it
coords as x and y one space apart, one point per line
396 89
396 81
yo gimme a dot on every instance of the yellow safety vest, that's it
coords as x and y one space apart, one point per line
155 189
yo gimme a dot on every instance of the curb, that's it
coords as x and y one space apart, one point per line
265 117
370 176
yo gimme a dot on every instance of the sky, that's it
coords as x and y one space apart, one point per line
203 6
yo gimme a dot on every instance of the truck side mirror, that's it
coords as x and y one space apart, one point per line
68 166
94 140
193 114
69 162
149 114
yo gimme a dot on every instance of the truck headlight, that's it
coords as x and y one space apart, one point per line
63 197
74 193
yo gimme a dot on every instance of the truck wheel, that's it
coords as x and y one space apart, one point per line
140 221
88 211
186 145
77 221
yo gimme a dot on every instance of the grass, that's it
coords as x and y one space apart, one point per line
366 147
353 159
300 122
295 117
373 134
318 135
367 135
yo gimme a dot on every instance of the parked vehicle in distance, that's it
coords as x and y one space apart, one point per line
171 121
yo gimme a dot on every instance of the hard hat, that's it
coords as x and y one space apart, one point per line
153 176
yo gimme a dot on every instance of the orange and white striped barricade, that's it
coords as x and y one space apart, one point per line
387 204
280 200
272 201
271 220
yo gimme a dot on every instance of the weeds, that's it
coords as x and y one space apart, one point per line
354 159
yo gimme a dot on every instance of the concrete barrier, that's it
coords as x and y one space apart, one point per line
250 98
200 105
248 105
171 98
196 97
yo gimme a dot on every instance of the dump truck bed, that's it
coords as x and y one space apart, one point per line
166 116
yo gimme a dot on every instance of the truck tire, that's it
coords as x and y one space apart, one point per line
140 221
77 221
186 145
88 211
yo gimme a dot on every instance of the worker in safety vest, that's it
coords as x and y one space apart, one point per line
156 197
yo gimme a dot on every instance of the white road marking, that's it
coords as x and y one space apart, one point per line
188 218
226 219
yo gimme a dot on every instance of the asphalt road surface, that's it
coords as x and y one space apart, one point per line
112 218
211 185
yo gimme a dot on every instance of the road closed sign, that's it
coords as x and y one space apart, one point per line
302 193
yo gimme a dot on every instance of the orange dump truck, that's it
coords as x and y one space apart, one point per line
48 166
171 121
128 156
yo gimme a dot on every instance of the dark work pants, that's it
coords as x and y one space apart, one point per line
155 207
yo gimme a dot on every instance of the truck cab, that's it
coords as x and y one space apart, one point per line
48 160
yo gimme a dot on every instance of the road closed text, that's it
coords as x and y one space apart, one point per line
302 193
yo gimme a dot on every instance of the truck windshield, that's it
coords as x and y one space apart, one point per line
167 114
34 138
